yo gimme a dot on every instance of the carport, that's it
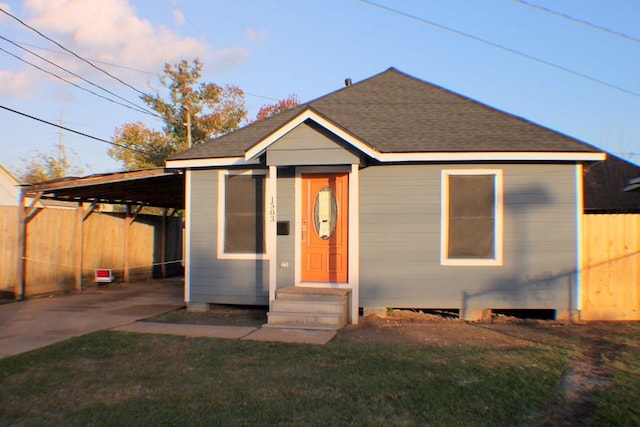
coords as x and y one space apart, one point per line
157 187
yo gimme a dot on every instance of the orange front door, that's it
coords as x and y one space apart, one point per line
325 218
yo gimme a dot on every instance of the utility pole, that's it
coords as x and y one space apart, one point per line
188 125
60 147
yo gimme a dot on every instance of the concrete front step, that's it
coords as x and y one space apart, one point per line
310 293
330 320
304 306
309 308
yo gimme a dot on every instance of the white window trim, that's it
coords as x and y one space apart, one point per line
499 219
222 174
186 245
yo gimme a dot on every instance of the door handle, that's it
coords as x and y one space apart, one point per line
304 229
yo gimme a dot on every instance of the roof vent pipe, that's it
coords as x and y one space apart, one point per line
347 82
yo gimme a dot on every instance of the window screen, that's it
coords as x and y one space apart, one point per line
472 216
244 214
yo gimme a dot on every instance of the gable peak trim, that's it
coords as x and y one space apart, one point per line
309 114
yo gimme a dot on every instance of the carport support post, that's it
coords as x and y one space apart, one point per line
81 215
163 244
129 218
127 223
24 216
78 244
18 289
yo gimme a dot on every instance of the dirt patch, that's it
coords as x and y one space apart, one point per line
218 314
425 329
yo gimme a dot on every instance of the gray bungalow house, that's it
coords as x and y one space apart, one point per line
390 192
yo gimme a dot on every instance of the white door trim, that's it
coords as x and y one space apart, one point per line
353 282
271 230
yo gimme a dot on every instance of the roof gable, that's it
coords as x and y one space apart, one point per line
308 115
395 116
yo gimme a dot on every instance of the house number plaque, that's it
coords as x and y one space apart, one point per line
272 210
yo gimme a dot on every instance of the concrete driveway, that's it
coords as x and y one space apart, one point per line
35 323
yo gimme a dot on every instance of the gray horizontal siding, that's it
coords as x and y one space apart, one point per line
400 240
311 157
213 280
307 145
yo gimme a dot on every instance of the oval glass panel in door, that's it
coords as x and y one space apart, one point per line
325 213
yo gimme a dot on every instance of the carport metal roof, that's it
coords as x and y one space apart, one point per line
157 187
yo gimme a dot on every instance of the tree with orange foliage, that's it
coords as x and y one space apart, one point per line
269 110
206 109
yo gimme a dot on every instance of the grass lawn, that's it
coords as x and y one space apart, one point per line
111 378
619 403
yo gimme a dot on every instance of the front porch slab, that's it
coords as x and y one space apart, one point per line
299 336
194 331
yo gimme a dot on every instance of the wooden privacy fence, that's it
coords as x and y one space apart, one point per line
135 248
611 267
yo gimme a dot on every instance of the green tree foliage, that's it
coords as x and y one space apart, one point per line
44 167
213 111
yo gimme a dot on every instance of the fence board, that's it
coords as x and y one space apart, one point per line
8 248
51 255
611 267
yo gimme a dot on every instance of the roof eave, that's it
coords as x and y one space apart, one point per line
211 162
424 157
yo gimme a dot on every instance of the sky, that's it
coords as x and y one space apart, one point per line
569 65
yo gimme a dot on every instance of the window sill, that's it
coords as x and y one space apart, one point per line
464 262
243 256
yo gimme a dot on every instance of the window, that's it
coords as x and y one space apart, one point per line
242 205
471 217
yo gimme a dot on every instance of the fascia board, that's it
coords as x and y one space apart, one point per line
261 146
211 162
489 156
412 157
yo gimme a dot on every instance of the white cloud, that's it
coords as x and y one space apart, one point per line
255 35
64 96
15 83
112 32
178 15
4 18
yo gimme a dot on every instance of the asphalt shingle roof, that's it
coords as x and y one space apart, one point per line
397 113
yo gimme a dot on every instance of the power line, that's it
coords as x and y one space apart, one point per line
117 65
138 108
74 84
124 67
213 43
220 49
262 96
72 131
502 47
631 154
579 21
90 59
71 52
